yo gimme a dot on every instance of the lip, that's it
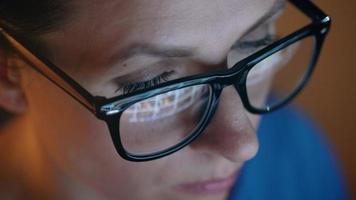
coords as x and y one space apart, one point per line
209 187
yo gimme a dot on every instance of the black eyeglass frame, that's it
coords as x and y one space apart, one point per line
110 110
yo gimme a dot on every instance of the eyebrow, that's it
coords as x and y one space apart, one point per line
180 51
152 50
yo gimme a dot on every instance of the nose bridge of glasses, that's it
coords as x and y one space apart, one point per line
235 76
234 79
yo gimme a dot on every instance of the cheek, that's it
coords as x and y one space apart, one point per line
66 129
70 135
79 144
59 120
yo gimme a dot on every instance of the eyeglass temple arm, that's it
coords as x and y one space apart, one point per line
310 9
53 73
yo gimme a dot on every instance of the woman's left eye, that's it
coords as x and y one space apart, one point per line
248 46
253 45
130 87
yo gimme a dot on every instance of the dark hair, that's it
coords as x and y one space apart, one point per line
32 16
28 19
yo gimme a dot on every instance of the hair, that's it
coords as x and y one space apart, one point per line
32 16
28 19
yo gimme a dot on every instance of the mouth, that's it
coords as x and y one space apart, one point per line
213 186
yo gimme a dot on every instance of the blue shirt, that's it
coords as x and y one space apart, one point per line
293 163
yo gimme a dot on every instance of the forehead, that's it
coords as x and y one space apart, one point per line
208 26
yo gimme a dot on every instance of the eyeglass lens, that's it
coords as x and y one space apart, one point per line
276 77
162 121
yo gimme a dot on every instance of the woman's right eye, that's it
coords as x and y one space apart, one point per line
129 87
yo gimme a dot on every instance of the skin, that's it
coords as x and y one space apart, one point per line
64 152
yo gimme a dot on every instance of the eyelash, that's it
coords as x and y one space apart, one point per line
128 88
255 44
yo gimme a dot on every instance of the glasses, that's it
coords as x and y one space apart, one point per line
151 123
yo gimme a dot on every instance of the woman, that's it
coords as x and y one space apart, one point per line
163 78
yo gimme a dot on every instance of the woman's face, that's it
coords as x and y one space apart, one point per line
110 42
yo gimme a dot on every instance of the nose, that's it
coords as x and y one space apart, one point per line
231 132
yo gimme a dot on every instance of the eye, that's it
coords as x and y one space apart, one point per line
251 42
130 87
255 45
245 48
256 38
